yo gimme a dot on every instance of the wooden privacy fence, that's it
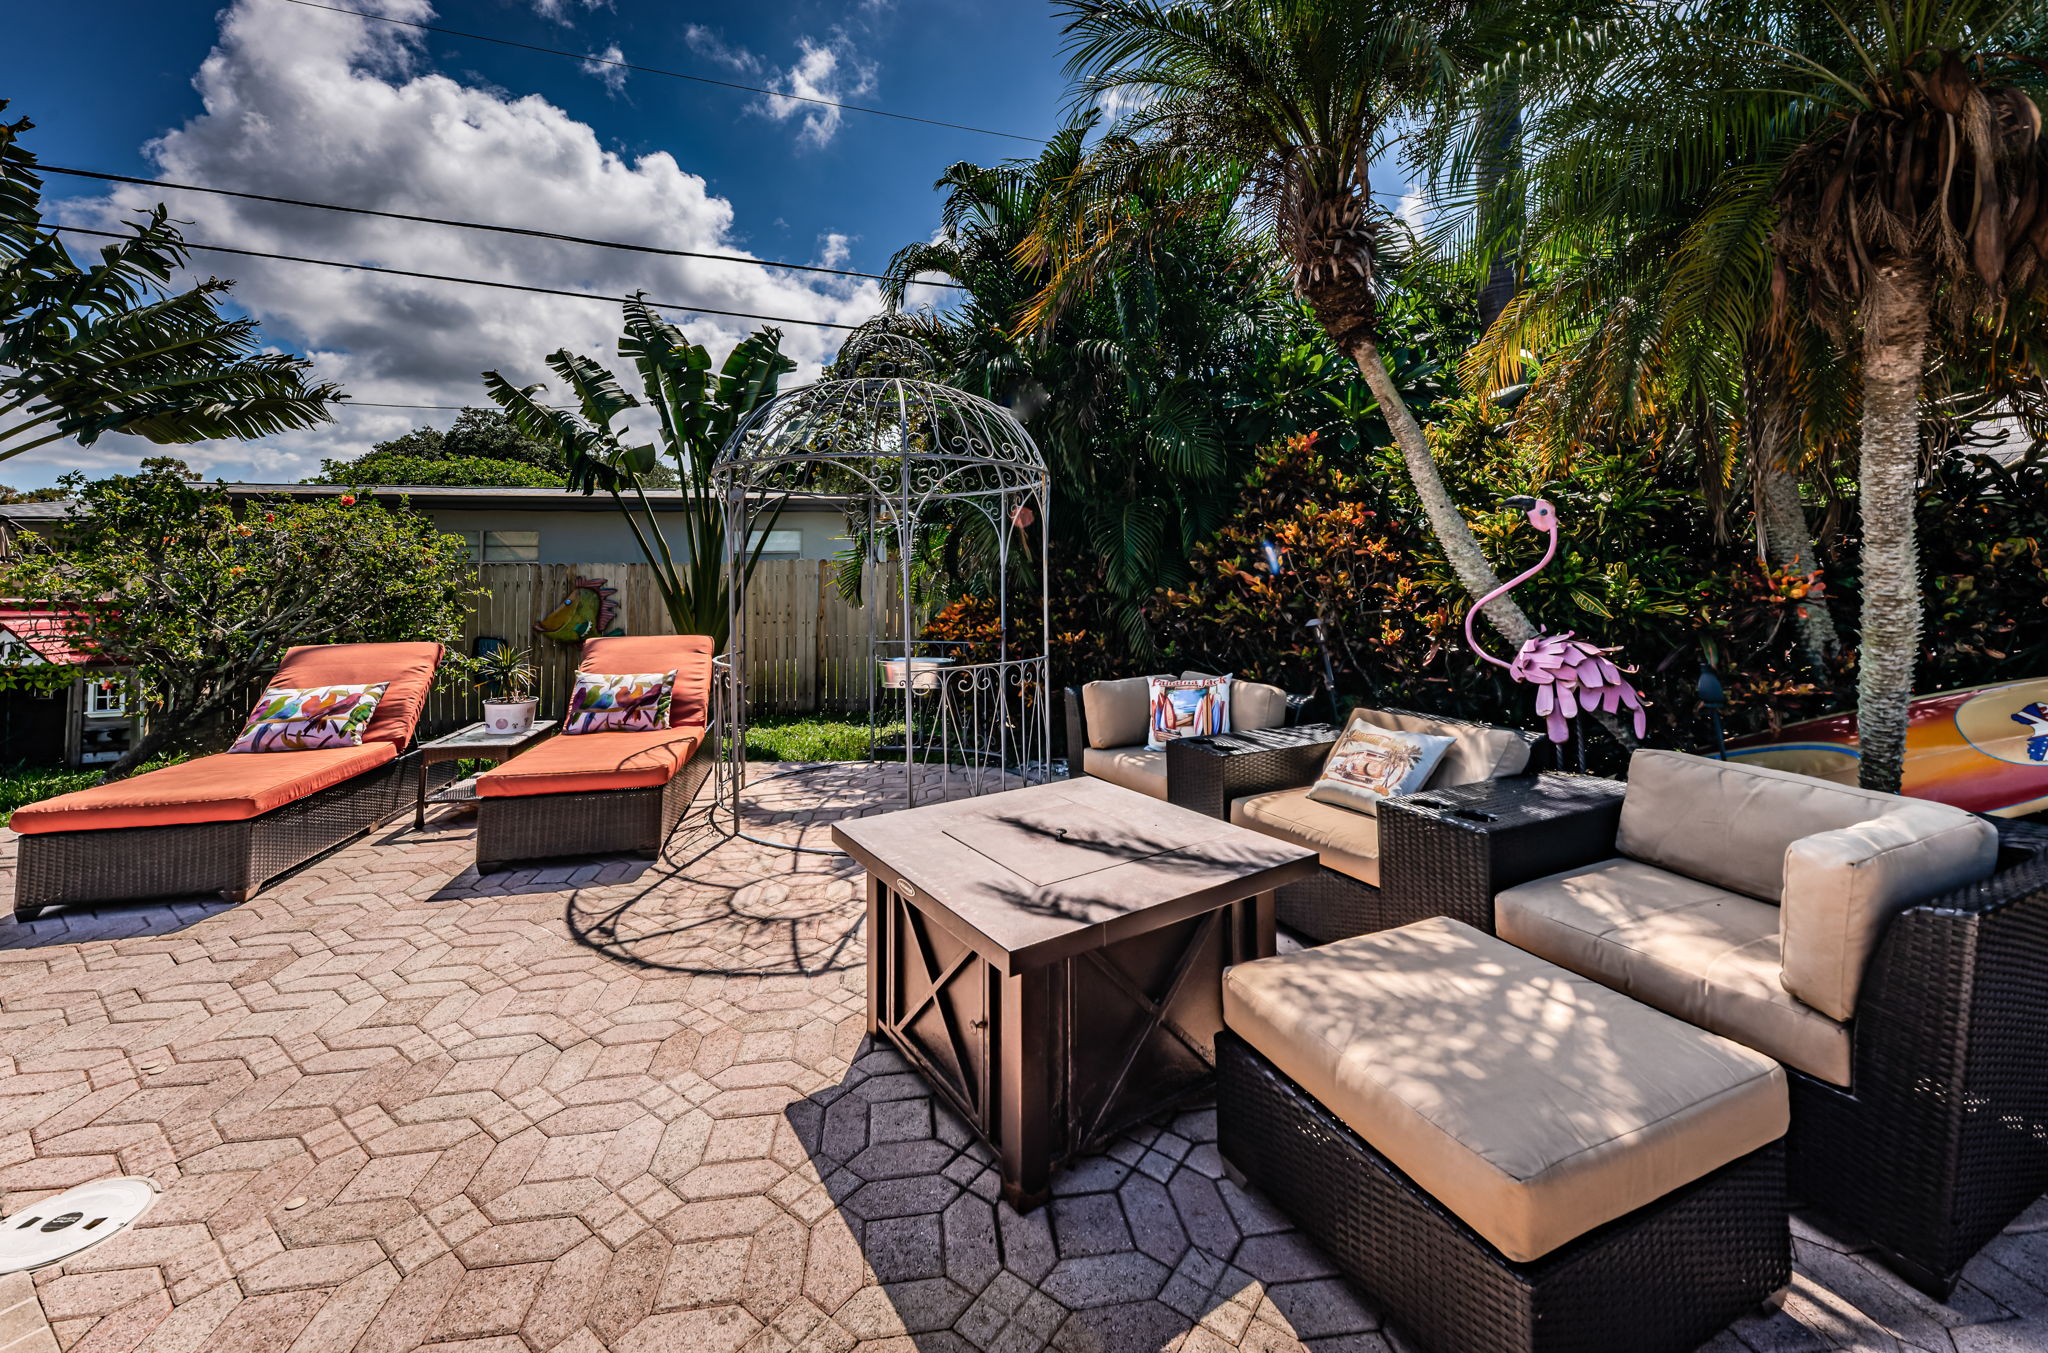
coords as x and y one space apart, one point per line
807 645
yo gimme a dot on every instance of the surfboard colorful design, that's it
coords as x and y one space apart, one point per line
1984 748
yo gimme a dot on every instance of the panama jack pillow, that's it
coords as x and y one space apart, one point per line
292 720
1188 708
619 704
1370 763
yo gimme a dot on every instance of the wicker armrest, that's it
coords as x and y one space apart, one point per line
1447 852
1205 774
1076 726
1942 1137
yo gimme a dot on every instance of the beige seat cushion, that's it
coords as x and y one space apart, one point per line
1477 751
1533 1103
1116 712
1346 841
1729 824
1842 888
1132 767
1704 954
1253 704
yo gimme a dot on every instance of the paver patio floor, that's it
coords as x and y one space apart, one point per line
628 1106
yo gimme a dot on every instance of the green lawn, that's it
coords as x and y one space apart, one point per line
790 738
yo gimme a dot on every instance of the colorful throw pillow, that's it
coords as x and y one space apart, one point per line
1370 763
1194 707
292 720
619 704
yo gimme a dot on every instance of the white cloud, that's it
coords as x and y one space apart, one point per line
835 250
831 70
561 11
709 45
606 68
347 113
826 70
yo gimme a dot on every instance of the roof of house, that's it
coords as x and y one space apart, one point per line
444 497
50 635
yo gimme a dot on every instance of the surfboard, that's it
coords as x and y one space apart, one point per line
1984 748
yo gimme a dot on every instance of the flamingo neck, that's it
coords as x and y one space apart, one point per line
1510 585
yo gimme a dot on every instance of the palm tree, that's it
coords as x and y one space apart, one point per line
1131 391
89 349
1883 165
1297 97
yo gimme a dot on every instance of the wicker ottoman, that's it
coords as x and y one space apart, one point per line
1501 1154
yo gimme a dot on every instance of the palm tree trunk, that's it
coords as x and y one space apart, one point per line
1894 367
1453 535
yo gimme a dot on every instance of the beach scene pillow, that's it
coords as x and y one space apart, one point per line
619 704
1370 763
288 719
1187 708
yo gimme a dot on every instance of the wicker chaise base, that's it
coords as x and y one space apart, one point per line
1663 1279
234 859
610 822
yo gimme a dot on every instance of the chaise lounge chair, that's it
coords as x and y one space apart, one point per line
229 823
604 793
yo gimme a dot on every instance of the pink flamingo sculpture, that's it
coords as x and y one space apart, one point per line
1569 674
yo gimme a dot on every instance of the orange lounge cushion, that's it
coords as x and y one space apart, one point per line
223 788
593 763
687 655
407 668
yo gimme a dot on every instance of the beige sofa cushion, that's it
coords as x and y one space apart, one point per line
1116 712
1132 767
1346 841
1704 954
1844 886
1533 1103
1477 751
1729 824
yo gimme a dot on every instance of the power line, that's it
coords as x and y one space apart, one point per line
471 281
654 70
471 225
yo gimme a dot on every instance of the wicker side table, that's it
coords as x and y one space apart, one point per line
1446 852
1205 774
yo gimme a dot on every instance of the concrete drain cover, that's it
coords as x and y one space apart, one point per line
74 1220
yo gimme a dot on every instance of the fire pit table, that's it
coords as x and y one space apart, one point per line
1051 958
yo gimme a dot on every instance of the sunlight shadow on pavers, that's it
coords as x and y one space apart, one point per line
1138 1247
102 921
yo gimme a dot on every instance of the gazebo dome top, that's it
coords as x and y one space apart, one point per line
891 436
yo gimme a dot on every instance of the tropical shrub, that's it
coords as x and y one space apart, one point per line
1639 567
200 596
480 448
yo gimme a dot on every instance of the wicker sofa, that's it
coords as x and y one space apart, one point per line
1892 953
1107 724
1261 780
230 823
604 793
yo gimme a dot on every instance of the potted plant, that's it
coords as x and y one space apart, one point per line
505 675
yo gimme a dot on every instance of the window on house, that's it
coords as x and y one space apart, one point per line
511 547
105 699
777 542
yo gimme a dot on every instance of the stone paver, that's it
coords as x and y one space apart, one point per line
624 1105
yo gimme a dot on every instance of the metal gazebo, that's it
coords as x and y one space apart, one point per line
926 469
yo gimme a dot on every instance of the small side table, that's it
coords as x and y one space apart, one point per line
476 742
1446 852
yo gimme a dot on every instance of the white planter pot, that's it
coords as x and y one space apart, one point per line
509 716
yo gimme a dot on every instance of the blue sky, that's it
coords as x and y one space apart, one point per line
268 96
